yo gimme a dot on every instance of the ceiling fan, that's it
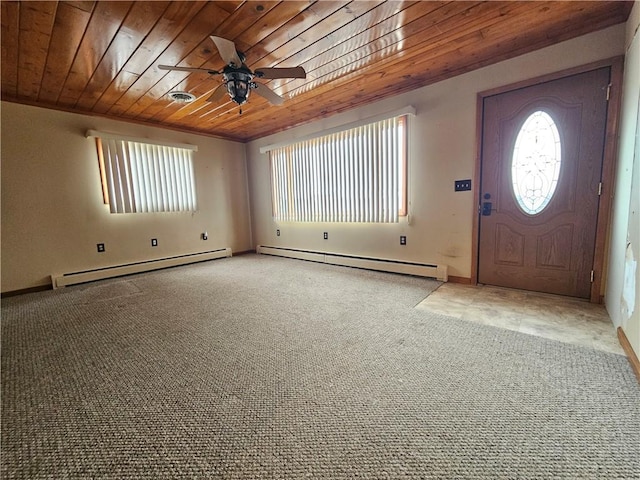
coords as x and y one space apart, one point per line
238 78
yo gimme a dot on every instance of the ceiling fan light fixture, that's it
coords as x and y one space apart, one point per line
238 86
182 97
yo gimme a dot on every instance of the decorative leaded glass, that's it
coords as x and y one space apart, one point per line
536 161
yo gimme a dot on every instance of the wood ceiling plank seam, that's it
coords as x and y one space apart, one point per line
159 39
229 110
325 28
35 27
251 44
86 6
230 6
324 46
136 26
292 28
69 28
415 11
95 77
105 22
242 19
248 41
226 107
251 33
236 135
370 34
190 38
82 48
280 30
204 89
201 112
10 46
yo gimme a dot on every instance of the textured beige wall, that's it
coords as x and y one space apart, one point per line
623 287
52 210
442 149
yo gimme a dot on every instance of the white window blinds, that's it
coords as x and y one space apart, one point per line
140 177
357 175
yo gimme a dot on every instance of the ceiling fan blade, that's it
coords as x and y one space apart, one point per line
218 93
189 69
295 72
227 51
270 95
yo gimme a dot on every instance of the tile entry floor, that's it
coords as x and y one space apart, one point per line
559 318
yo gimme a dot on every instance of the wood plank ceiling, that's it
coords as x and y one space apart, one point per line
101 57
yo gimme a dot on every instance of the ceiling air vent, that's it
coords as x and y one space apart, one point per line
182 97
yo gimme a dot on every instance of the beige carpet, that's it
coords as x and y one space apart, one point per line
258 367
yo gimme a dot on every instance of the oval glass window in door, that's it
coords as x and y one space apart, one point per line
536 162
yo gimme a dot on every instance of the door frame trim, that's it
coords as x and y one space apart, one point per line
608 164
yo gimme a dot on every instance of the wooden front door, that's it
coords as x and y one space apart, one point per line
541 168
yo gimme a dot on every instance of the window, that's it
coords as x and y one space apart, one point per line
139 177
536 162
356 175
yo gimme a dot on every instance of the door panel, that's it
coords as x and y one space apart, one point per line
551 250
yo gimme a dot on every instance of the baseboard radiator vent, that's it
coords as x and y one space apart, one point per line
74 278
382 264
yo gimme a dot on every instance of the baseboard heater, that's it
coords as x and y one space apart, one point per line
382 264
118 270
